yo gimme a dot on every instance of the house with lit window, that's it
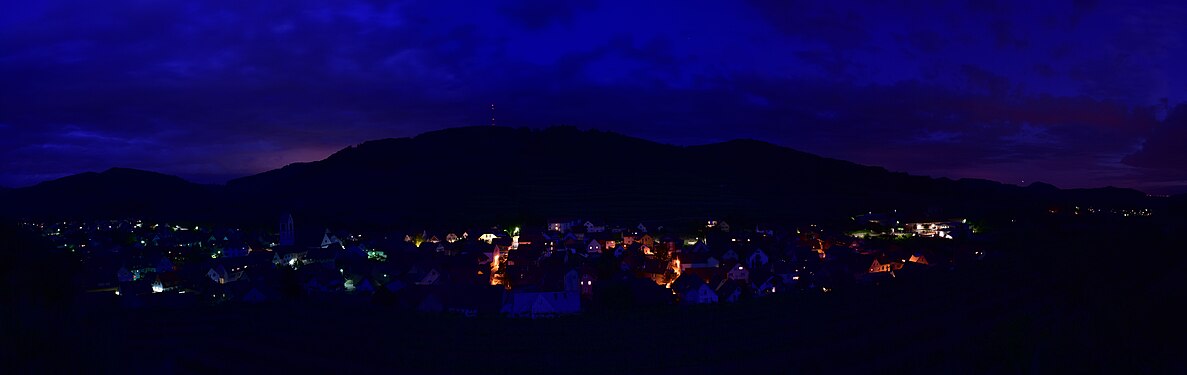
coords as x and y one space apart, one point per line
221 275
166 281
646 239
884 265
330 239
738 273
786 271
593 247
720 225
628 238
611 244
561 225
288 256
771 286
588 277
938 229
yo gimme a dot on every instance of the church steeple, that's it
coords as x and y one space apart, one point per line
287 237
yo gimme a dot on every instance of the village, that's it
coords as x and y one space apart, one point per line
563 267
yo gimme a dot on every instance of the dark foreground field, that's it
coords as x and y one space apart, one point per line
1096 304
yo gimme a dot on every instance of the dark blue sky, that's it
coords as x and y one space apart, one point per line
1075 93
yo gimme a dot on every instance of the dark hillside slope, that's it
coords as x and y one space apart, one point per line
480 175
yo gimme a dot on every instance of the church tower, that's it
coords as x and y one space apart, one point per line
287 237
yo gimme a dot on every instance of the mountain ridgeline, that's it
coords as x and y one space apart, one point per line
117 192
480 175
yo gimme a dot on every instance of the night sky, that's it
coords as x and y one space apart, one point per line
1074 93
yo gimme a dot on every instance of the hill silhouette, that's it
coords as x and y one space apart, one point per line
496 174
115 192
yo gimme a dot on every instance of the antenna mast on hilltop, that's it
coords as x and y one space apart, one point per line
492 114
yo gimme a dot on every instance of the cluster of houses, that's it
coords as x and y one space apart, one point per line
1116 212
562 267
891 225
